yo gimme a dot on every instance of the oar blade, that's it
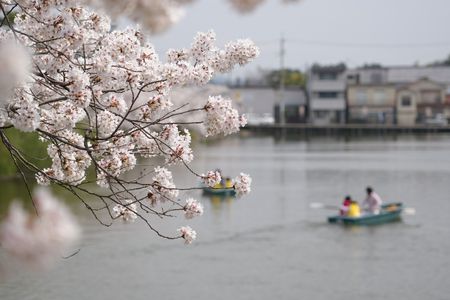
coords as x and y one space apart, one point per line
410 211
316 205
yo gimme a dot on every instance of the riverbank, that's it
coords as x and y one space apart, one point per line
351 129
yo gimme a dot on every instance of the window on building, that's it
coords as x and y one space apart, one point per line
406 101
328 76
321 114
329 115
328 95
361 97
431 96
376 78
353 78
379 97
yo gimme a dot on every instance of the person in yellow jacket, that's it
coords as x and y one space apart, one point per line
354 210
228 183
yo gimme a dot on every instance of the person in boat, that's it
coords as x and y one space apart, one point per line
354 210
344 207
372 203
218 186
228 183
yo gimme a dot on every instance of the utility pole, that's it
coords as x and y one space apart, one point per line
282 83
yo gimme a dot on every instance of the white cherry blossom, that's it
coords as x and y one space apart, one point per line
163 188
188 234
192 208
242 184
211 178
126 211
221 117
101 100
39 240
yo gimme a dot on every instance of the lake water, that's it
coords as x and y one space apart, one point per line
270 244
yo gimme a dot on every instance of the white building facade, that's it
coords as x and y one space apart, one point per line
326 90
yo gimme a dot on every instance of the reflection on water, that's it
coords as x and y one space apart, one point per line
220 203
270 244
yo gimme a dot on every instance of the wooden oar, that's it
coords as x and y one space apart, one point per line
318 205
410 211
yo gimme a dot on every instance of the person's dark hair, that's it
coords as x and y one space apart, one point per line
369 190
348 197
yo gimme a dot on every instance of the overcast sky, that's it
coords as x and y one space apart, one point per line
391 32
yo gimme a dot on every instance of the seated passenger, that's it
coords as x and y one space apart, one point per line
344 208
354 210
218 186
228 183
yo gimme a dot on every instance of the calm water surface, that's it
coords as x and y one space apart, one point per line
270 244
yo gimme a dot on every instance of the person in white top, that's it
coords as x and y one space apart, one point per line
372 204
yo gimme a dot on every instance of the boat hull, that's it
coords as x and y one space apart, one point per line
389 213
219 192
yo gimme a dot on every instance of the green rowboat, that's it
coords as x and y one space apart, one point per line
218 192
389 212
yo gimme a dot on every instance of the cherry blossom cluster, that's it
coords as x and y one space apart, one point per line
15 65
101 100
163 188
70 160
242 184
190 97
126 211
193 208
113 157
36 238
221 117
211 178
188 234
175 146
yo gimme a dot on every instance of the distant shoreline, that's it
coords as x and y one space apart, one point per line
346 128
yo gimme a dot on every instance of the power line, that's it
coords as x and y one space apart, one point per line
372 45
354 45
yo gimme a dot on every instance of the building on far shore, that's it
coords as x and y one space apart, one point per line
326 88
420 102
371 103
398 95
295 106
261 104
440 74
370 98
372 94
